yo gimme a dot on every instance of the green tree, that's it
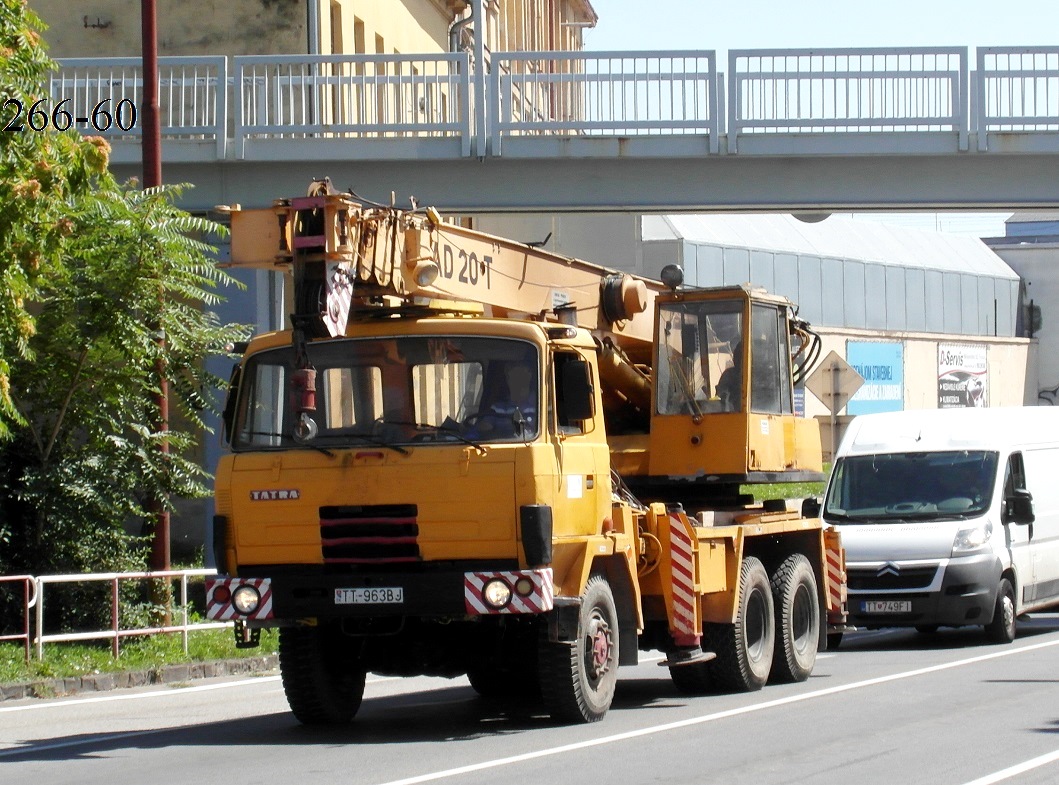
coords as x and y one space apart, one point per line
94 273
40 175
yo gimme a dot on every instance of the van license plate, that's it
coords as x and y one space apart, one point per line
886 606
374 596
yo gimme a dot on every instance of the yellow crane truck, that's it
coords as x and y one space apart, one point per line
472 456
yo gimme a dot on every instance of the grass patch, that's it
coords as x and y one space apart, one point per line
787 490
66 660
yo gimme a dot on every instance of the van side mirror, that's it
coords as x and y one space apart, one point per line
577 392
1018 507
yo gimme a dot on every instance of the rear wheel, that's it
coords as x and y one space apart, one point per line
1002 628
577 681
745 649
797 604
322 677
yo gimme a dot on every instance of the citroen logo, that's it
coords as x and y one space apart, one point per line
888 569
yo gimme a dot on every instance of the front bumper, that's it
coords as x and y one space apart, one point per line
963 592
299 595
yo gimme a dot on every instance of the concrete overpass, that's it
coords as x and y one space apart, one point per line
933 128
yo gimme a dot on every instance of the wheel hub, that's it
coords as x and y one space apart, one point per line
599 645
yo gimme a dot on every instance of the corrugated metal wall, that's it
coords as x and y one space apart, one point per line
834 292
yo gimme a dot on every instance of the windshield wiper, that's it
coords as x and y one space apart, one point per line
377 442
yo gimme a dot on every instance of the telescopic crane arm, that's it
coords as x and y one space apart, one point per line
345 254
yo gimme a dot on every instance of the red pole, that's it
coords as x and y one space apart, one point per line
151 143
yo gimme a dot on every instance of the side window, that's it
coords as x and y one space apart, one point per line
765 382
262 423
566 425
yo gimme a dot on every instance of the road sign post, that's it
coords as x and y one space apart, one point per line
834 382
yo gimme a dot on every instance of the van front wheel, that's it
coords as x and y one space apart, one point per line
1002 628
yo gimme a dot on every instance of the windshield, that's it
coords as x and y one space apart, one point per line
393 391
911 486
700 357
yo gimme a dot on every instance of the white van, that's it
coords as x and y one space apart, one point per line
949 517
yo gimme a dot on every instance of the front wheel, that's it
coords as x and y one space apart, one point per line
322 677
1002 628
577 681
745 649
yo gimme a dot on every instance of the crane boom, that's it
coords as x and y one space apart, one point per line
342 252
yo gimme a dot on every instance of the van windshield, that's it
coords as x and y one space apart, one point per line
911 486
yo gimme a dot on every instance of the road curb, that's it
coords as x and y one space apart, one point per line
165 674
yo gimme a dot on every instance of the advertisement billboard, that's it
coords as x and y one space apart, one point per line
881 364
963 376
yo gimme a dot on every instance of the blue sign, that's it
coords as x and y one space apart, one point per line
882 366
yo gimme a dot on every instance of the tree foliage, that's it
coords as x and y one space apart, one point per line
95 275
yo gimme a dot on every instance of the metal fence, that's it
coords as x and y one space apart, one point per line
604 93
103 96
1018 91
795 91
353 96
403 101
34 605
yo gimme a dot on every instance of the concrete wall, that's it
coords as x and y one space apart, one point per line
111 28
1011 362
1038 265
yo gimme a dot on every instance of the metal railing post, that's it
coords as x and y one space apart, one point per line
115 619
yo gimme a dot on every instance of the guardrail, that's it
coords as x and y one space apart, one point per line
35 601
400 106
796 91
29 599
1018 90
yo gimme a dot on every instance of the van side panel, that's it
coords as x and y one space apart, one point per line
1042 480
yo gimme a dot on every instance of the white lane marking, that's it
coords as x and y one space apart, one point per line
172 692
649 731
138 695
1018 768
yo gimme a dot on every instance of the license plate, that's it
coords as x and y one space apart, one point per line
886 606
375 596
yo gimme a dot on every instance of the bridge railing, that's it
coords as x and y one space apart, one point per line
786 101
604 93
104 96
1018 90
809 91
353 97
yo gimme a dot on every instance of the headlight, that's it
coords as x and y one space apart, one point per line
246 599
496 593
972 539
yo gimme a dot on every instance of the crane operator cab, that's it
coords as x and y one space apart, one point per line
727 360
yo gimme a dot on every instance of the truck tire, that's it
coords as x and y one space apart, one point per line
322 679
745 649
1002 628
577 680
794 593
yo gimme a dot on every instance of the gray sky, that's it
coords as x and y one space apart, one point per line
786 24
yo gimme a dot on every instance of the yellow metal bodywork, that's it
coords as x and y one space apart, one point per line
468 499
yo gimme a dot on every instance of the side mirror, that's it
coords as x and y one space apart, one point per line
811 507
1018 507
577 393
